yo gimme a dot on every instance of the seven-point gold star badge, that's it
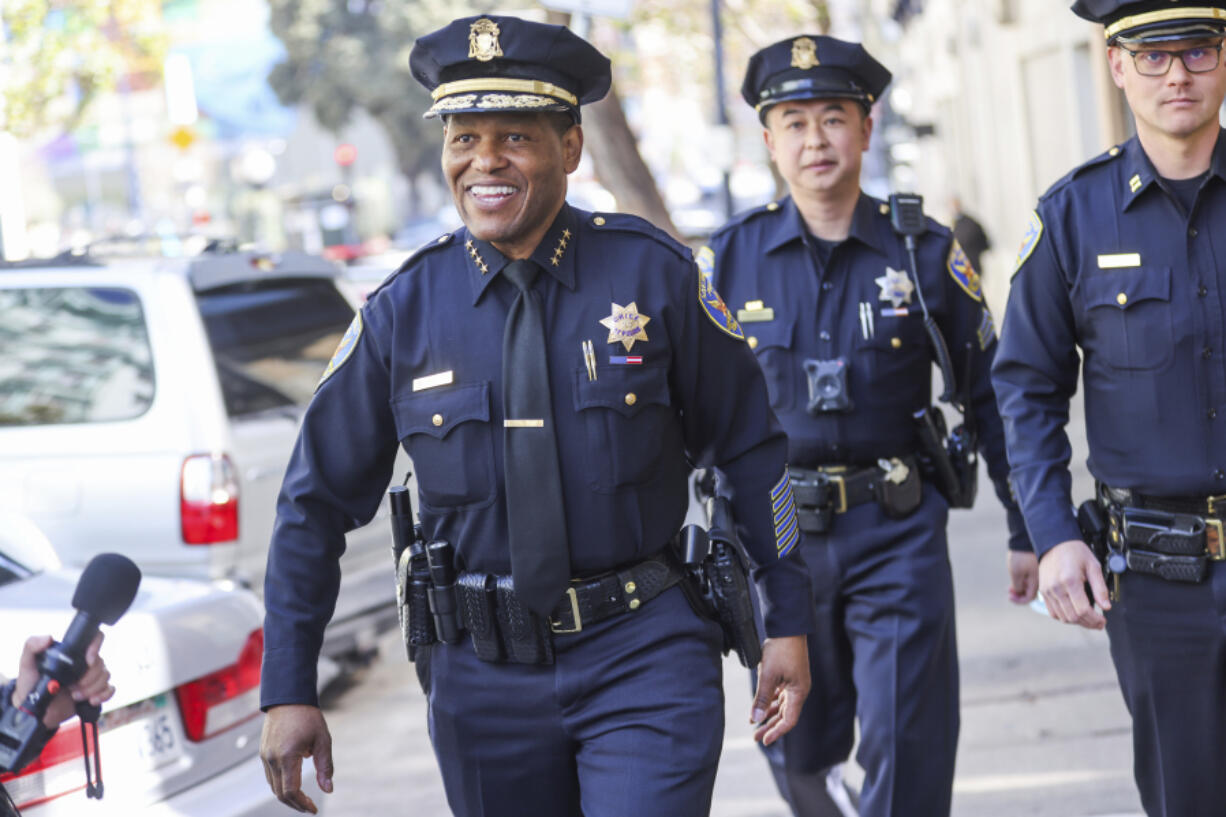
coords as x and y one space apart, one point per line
625 325
896 287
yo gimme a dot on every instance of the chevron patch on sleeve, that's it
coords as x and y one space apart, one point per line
783 509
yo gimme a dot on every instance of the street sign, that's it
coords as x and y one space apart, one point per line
594 8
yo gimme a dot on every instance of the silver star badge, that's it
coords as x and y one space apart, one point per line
896 287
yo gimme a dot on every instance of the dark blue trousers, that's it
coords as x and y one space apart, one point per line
629 720
1168 642
884 653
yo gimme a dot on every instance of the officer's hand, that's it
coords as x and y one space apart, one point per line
1023 568
783 685
94 686
1063 573
292 732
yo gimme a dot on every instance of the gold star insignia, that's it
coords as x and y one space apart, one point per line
625 325
896 287
476 256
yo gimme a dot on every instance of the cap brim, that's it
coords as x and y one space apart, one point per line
496 103
1168 24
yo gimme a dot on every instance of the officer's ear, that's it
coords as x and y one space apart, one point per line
866 127
572 147
1116 58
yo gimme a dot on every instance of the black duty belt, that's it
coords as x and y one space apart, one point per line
841 486
1167 525
503 629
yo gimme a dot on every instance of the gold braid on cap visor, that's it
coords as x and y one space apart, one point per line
1194 13
523 86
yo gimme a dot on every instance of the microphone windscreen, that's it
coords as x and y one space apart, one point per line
107 587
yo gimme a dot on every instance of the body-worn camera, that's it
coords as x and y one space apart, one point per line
828 386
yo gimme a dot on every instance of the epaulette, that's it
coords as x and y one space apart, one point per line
430 246
1072 175
746 216
633 224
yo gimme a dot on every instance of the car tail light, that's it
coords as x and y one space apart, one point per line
208 499
54 773
226 698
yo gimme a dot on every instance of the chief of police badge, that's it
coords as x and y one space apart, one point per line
626 325
483 40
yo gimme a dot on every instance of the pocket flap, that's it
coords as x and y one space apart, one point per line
437 412
769 334
1123 288
625 389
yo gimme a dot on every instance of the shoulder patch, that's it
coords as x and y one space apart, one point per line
705 259
1034 231
430 246
343 349
633 224
962 272
715 308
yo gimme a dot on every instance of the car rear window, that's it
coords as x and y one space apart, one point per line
73 355
272 339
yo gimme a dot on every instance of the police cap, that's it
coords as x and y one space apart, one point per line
812 66
1154 20
492 64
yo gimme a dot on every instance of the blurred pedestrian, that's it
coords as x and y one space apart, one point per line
1123 275
553 374
970 235
822 285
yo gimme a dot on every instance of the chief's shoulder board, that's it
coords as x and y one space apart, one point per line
624 222
443 240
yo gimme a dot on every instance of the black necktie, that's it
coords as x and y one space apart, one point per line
536 519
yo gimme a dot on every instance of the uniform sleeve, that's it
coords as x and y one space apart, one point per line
971 334
340 466
1035 376
729 425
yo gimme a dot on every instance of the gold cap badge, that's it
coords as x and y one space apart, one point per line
804 53
483 40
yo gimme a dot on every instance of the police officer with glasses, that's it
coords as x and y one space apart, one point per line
1122 276
553 374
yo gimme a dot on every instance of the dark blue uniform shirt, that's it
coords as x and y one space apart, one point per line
422 366
1112 264
763 262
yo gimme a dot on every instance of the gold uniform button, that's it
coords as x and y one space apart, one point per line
1115 151
598 221
1121 299
896 343
753 342
634 604
773 206
631 399
885 209
442 239
437 419
631 587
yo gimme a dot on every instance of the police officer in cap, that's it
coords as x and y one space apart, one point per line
552 373
830 304
1125 262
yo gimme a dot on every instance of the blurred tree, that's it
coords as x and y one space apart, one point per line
57 55
345 55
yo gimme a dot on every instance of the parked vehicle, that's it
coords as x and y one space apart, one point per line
181 735
149 406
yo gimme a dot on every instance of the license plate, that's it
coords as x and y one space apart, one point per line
143 734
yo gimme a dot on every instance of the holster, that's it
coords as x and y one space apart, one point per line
815 494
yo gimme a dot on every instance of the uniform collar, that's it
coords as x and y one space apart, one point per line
1139 172
866 225
555 254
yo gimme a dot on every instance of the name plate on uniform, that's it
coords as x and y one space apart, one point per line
434 380
1121 260
755 312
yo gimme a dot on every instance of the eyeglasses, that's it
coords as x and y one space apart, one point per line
1199 60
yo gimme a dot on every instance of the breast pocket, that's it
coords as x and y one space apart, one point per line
1129 321
771 341
448 436
897 350
626 415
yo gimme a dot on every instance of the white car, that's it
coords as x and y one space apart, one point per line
150 405
181 735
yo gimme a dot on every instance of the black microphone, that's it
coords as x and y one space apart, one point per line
104 593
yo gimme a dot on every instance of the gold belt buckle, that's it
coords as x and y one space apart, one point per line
841 505
1215 542
574 612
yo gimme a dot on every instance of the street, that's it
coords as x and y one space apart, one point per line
1044 729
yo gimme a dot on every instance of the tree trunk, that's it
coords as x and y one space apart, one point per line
615 154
